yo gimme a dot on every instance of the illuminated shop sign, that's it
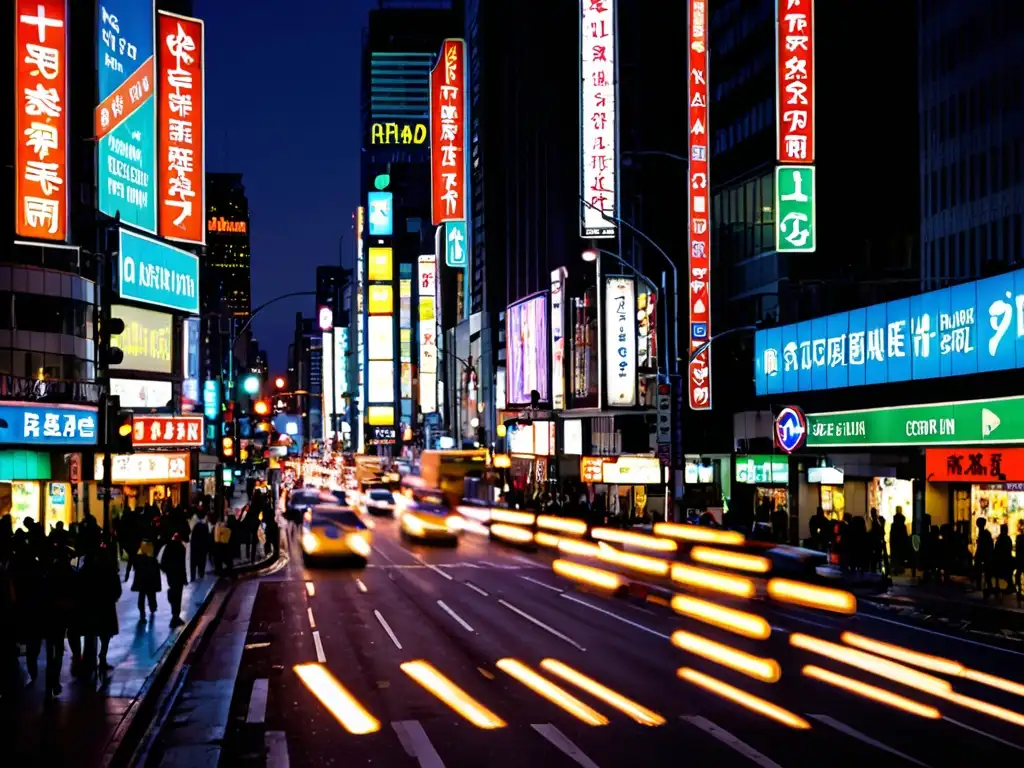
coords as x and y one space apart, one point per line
762 470
156 273
598 126
167 431
145 468
220 225
620 328
398 133
147 339
37 424
146 393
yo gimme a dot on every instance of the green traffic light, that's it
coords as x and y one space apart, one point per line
251 384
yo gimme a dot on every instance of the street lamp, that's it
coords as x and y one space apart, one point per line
590 255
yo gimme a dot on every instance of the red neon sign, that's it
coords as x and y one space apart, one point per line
447 134
794 61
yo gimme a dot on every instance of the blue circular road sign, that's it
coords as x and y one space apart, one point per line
790 429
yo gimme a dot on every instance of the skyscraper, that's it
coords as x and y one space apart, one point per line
226 276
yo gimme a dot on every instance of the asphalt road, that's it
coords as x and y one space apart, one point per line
465 608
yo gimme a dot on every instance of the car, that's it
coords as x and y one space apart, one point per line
424 521
380 501
334 531
302 499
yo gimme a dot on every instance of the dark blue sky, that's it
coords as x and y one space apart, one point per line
282 93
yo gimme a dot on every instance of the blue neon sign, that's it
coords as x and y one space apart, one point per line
381 222
455 253
974 327
156 273
37 424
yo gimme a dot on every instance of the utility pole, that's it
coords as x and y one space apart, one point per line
107 357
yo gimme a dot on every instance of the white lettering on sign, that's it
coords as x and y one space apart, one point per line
598 118
699 257
794 60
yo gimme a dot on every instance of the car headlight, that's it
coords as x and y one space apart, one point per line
413 525
453 523
309 542
358 544
307 516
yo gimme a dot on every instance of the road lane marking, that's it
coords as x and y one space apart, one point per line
1010 744
542 625
310 589
388 629
731 741
312 621
434 568
454 615
377 550
563 744
938 634
542 584
277 749
255 646
527 561
854 733
416 744
475 588
616 616
258 701
360 585
320 655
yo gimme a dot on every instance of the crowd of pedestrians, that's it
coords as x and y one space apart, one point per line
61 589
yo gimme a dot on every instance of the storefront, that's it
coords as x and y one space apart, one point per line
531 449
708 483
144 478
630 483
764 479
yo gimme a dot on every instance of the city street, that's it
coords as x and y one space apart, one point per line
464 609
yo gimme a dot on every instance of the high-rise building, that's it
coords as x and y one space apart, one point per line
226 279
971 138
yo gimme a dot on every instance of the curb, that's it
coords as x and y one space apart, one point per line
123 745
981 614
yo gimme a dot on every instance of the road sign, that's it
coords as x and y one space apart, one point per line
968 422
795 226
455 254
790 429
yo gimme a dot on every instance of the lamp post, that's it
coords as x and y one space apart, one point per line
675 277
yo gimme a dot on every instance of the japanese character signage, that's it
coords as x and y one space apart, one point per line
156 273
969 328
144 468
794 61
427 316
974 465
455 253
448 133
699 269
43 424
620 340
795 209
40 95
181 113
598 127
167 431
125 119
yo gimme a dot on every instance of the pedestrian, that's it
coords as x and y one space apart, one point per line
172 561
1002 559
147 578
983 549
199 547
57 606
1018 547
106 591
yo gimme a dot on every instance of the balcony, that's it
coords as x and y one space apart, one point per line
49 390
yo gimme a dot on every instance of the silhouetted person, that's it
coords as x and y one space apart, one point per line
1002 558
199 547
57 606
147 578
173 564
899 541
983 549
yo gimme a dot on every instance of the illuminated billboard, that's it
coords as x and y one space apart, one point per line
448 133
527 350
973 327
156 273
379 216
125 119
380 264
380 337
381 381
41 119
147 341
427 317
181 115
620 331
598 128
385 133
222 226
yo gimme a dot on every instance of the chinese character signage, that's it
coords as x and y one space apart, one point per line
795 225
40 96
598 129
558 277
379 206
382 134
428 332
147 341
967 422
144 468
125 119
455 253
182 121
156 273
40 424
974 465
448 134
167 431
699 272
620 340
794 61
973 327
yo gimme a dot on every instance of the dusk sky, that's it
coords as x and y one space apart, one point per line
283 109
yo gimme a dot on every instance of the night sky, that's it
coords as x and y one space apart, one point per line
283 109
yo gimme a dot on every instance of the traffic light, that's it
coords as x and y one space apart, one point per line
110 353
261 407
227 448
250 384
280 382
119 437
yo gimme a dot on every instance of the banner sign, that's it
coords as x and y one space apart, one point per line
125 119
47 424
427 316
620 366
598 126
455 253
145 394
762 470
41 120
974 465
794 97
147 341
379 214
167 431
558 278
397 133
795 209
156 273
182 117
969 328
448 134
699 274
966 422
144 468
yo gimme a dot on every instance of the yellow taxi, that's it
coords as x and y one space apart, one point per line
334 531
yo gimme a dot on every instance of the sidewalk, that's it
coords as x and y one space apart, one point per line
956 601
76 727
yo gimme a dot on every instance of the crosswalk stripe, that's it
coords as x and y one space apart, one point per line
416 743
258 701
731 741
563 744
277 749
853 732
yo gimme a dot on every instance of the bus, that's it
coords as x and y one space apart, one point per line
448 470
